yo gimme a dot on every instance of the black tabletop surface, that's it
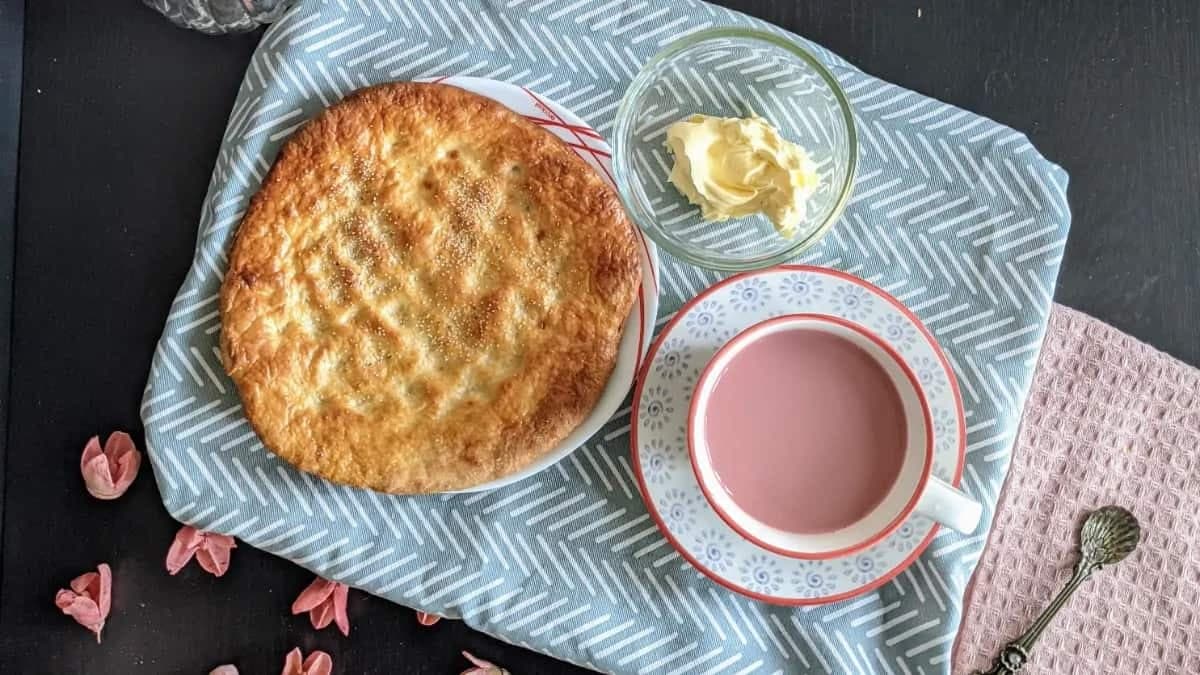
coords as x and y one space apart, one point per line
120 119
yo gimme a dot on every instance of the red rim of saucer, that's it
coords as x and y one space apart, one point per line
926 469
641 480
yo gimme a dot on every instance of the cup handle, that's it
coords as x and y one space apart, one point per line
949 506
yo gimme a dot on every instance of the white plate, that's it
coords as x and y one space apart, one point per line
639 327
663 397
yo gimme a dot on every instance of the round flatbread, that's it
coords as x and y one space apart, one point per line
426 294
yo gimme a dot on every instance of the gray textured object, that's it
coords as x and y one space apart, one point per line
217 17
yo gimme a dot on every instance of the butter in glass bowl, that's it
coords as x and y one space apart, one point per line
733 167
733 73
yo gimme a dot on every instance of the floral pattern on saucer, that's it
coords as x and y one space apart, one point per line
762 574
814 580
661 456
676 362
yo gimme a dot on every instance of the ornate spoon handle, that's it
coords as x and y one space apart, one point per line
1108 535
1016 653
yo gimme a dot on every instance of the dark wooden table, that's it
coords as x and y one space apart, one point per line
120 119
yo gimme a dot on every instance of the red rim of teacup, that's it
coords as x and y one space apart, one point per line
670 537
926 470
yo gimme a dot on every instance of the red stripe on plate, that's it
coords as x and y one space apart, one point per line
586 131
546 109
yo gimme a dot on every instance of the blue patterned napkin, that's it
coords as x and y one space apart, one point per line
956 215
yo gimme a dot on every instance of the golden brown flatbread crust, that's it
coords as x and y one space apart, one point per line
426 294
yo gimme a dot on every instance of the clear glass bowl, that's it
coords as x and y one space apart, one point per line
732 73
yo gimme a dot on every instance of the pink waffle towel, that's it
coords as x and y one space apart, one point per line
1109 420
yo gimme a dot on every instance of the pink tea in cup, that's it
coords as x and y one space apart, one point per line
805 431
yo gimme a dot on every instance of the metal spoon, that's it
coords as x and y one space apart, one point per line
1107 536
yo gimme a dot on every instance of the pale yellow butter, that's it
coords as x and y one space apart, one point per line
732 167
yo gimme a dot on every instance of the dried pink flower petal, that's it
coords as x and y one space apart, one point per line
89 599
108 472
224 670
210 549
325 602
317 663
427 619
482 667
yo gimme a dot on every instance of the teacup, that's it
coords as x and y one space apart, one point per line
811 437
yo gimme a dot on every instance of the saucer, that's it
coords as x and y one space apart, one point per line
659 431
